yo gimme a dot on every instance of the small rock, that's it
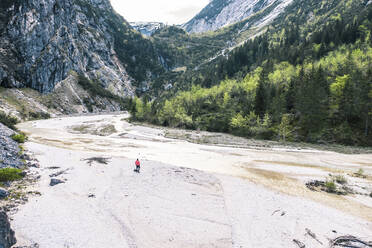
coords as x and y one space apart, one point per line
92 196
3 193
55 181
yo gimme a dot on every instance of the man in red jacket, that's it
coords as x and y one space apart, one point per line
138 166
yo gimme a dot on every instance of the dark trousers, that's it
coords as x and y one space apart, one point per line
138 168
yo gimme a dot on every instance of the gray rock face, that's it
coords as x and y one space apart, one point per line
9 150
7 238
220 13
42 41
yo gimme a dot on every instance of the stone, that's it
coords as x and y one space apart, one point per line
55 181
3 193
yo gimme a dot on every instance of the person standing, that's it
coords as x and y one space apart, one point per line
138 166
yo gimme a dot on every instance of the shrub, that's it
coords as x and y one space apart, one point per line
39 115
20 138
8 120
360 173
340 179
10 174
330 186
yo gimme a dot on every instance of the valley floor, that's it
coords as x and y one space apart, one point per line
187 195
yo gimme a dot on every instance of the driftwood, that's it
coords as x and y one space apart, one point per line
311 234
350 242
299 243
100 160
58 173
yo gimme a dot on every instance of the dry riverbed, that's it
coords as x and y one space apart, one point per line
188 194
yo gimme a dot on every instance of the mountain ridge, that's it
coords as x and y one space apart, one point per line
218 13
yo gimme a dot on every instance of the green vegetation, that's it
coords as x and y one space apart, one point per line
10 174
20 137
8 120
330 186
95 89
287 102
360 173
340 179
296 82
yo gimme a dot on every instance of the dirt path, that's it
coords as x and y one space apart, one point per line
188 195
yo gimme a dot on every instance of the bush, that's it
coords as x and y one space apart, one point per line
8 120
95 89
330 186
360 173
39 115
340 179
20 138
10 174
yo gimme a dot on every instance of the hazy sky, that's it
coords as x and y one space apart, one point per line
167 11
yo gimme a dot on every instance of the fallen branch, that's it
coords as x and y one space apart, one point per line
350 242
299 243
275 212
311 234
100 160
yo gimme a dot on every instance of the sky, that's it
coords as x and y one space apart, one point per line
167 11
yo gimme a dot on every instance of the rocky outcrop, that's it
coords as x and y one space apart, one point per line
7 238
9 150
43 41
147 28
220 13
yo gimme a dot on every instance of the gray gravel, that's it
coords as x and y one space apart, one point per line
9 150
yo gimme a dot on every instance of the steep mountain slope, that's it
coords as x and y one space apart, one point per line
220 13
308 78
42 41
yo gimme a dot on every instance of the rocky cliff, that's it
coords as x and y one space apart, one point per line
220 13
43 40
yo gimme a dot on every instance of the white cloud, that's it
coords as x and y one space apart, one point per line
167 11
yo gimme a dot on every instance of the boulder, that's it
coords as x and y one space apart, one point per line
3 193
7 238
55 181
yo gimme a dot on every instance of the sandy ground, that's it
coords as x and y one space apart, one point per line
187 195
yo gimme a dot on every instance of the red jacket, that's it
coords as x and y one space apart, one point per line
138 163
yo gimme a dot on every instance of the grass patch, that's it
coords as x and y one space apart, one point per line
330 186
10 174
8 120
20 138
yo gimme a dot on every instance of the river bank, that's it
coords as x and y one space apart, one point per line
187 195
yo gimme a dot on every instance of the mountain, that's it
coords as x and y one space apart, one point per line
305 77
147 28
220 13
41 42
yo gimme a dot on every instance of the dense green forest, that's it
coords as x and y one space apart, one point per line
296 82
